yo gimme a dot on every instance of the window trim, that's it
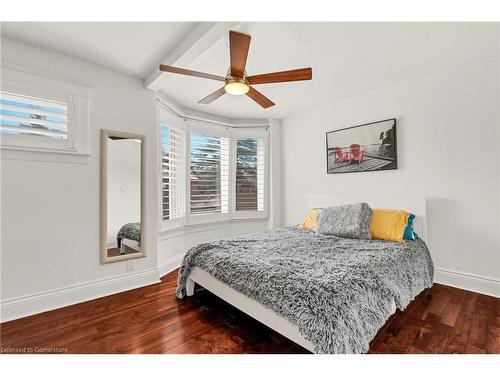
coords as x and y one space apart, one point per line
239 133
20 80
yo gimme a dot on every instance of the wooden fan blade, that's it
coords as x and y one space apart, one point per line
286 76
215 95
238 47
187 72
259 98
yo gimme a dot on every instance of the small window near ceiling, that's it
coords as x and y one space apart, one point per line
25 116
172 170
209 174
250 169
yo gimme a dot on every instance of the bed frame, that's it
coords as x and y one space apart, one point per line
409 202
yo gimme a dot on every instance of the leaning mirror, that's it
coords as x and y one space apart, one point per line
122 196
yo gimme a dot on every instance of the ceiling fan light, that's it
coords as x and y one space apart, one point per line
236 87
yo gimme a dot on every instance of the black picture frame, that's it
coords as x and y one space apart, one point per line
348 153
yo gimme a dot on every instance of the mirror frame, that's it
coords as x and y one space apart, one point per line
105 134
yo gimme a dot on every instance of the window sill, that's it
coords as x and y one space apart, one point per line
202 227
250 218
41 154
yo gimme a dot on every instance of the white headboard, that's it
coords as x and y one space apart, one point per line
414 203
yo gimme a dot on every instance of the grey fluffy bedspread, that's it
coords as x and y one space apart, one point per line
338 291
132 231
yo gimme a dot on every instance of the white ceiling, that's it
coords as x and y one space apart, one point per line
129 47
347 58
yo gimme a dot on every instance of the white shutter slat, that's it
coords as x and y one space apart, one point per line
62 117
31 122
56 107
33 131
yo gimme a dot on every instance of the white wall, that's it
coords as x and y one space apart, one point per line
124 185
448 142
50 210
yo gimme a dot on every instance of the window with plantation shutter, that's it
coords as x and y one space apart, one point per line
42 117
250 168
172 171
22 115
209 174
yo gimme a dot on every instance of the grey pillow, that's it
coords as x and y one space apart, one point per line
351 220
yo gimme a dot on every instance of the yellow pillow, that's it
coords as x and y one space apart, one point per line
310 222
388 224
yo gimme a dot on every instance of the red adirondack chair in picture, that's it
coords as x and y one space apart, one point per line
340 156
356 153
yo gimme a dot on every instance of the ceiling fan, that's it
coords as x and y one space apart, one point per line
236 82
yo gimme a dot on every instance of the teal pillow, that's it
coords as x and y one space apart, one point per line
408 233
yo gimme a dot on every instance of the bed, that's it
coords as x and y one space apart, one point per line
326 293
130 235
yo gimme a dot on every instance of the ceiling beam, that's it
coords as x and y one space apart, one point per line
202 36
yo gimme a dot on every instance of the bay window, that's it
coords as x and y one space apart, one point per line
211 173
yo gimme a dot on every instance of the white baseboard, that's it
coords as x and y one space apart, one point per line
170 264
19 307
462 280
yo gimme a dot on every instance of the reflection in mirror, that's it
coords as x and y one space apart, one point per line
121 208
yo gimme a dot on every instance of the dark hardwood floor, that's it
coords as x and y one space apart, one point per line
151 320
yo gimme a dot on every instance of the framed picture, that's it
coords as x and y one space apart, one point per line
362 148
